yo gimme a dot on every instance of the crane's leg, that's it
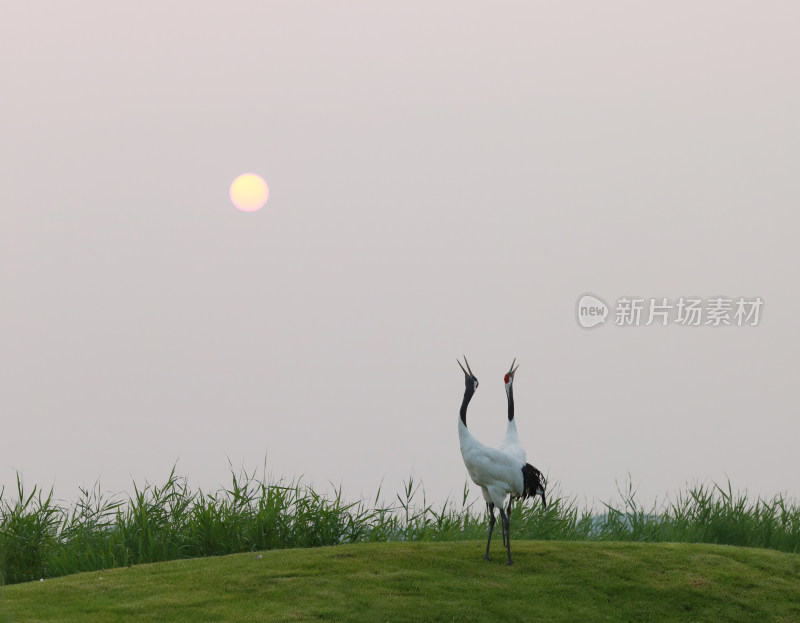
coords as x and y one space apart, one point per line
508 512
504 519
492 520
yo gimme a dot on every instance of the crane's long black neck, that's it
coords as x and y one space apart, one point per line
510 403
468 392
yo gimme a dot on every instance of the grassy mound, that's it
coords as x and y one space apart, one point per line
429 581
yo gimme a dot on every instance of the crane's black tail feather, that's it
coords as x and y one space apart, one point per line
533 483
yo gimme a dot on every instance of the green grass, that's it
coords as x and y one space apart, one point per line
40 538
425 581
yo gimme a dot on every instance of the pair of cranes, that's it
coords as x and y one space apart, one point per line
502 471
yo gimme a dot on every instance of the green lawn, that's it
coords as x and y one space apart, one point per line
551 581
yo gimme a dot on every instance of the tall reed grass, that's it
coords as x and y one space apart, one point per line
39 538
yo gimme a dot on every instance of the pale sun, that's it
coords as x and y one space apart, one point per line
249 192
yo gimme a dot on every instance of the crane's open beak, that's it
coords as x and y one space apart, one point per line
468 368
467 374
512 369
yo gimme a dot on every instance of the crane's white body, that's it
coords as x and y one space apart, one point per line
494 471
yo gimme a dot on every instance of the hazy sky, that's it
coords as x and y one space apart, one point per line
445 178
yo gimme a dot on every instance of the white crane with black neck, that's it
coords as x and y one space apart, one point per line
497 473
511 443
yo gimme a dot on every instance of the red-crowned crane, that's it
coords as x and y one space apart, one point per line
511 443
497 474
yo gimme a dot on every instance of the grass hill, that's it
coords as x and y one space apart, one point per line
432 581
